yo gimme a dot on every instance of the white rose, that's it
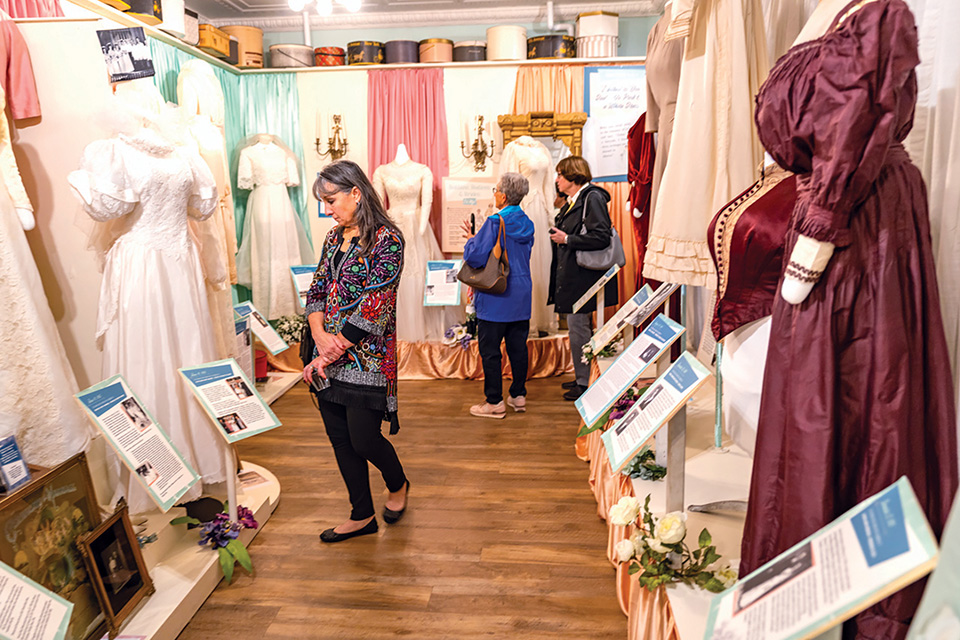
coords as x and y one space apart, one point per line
625 511
639 544
727 576
624 550
656 546
671 528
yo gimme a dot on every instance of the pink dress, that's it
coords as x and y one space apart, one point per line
857 387
32 8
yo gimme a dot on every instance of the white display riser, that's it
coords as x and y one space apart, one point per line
279 383
711 476
185 573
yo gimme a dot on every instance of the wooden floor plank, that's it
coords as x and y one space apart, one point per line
502 538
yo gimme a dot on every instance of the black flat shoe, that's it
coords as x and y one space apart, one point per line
569 385
574 393
390 516
332 536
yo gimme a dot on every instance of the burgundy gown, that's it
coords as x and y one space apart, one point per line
857 389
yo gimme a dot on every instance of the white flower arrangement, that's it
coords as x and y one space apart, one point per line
457 334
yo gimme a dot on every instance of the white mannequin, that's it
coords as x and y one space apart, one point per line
264 138
810 254
27 221
402 156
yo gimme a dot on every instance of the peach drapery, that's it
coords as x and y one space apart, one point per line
557 88
436 361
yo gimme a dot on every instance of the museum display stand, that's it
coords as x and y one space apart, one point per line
711 474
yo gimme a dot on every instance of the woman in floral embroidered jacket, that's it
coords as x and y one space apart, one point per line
352 312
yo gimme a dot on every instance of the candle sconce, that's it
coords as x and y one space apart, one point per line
336 144
479 150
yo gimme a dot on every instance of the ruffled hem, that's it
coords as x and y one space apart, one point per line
681 261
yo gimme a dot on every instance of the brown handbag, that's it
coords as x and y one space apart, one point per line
492 278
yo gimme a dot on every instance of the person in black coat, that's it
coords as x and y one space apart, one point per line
582 224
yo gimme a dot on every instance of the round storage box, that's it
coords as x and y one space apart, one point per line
250 54
470 51
506 42
402 51
552 46
436 50
597 46
365 52
329 57
290 55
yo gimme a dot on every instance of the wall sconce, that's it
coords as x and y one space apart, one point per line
479 150
336 143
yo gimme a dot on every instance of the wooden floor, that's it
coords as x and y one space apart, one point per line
501 539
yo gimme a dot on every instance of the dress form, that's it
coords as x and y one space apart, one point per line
406 188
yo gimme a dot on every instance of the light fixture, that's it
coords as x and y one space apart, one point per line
297 5
336 143
325 7
479 150
350 5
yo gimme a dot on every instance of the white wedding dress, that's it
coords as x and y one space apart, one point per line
408 190
531 159
36 381
153 317
273 236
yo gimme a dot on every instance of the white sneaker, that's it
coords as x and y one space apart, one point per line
487 410
518 404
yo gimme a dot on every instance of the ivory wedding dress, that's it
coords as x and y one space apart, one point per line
273 236
533 161
153 317
407 191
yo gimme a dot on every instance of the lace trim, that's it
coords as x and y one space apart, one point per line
149 142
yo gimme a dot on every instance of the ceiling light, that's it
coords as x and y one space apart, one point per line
297 5
325 7
350 5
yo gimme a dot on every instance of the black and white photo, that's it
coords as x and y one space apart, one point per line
127 53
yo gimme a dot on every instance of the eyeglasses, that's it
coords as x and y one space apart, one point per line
495 189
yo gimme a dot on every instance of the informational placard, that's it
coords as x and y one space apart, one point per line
647 309
461 198
442 288
614 98
612 328
868 553
261 328
657 405
13 470
627 368
599 284
230 400
241 329
302 279
29 611
139 440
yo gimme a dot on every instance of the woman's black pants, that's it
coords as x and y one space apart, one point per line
356 438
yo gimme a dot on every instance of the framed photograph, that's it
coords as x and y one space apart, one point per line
126 53
41 522
116 567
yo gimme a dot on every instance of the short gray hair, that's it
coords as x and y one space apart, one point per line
514 186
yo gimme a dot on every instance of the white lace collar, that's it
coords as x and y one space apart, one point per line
149 141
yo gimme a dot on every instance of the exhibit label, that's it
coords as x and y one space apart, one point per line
261 328
230 400
140 442
461 198
442 288
614 325
599 284
241 329
29 611
302 279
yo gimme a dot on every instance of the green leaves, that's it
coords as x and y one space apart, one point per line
236 548
185 520
226 563
705 538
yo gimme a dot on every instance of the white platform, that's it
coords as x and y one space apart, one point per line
185 573
279 383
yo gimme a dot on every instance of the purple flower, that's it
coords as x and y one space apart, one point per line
245 517
449 333
219 531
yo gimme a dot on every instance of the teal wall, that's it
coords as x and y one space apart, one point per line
633 35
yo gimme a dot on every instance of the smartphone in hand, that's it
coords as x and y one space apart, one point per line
473 223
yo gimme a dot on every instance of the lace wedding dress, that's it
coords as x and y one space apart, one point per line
153 316
36 381
273 236
533 161
407 190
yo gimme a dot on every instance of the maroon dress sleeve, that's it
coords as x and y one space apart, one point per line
854 114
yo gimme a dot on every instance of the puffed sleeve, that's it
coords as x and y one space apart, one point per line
376 309
293 172
317 293
856 114
102 183
245 171
203 197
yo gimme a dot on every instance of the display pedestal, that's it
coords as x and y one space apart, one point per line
548 357
278 384
185 573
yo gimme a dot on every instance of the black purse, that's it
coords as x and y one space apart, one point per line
306 344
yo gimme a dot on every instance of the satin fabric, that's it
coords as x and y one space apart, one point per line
548 357
641 160
857 390
407 106
17 73
557 88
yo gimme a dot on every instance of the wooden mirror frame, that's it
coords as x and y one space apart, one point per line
567 127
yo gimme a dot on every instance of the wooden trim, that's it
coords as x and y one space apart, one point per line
567 127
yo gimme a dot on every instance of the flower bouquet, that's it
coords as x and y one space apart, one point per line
617 411
221 534
290 328
458 334
608 351
644 466
658 553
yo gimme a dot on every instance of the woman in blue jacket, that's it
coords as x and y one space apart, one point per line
504 316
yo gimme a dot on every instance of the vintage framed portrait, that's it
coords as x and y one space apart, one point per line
41 522
116 567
